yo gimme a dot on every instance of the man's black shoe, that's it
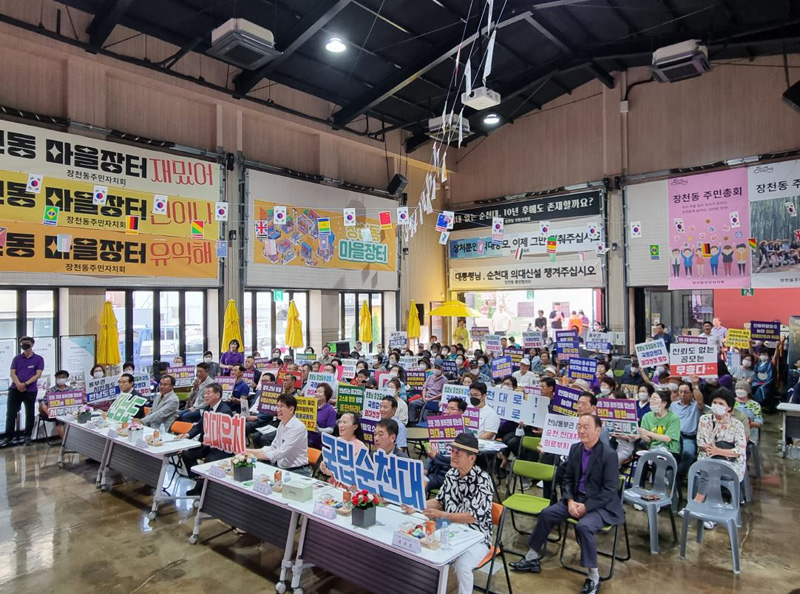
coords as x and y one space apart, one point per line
195 491
17 441
27 441
5 442
523 565
589 587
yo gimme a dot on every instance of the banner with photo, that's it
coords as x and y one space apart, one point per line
774 192
709 227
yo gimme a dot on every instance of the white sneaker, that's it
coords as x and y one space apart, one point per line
540 484
708 525
638 507
683 511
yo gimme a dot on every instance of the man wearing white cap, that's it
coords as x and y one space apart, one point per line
525 377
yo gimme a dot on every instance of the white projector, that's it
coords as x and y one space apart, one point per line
680 61
480 98
439 129
242 43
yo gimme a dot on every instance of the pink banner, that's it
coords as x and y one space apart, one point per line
709 225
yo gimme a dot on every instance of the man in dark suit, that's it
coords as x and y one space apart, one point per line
213 398
589 494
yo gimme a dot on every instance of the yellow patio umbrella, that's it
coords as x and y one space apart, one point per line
231 328
412 326
108 345
294 327
364 323
455 309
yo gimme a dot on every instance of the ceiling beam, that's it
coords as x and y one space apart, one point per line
408 74
308 26
105 20
621 15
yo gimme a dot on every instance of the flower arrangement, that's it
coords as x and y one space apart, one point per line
84 414
243 461
364 499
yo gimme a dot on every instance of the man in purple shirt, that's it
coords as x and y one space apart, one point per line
431 394
26 369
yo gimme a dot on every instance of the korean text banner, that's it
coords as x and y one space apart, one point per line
774 192
28 149
74 200
31 247
299 243
709 225
570 239
549 275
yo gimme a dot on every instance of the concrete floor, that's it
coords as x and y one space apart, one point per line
58 533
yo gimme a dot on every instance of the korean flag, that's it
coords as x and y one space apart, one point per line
34 183
100 195
221 211
160 204
279 216
349 217
402 215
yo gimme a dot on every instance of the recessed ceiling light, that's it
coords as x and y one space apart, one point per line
491 119
335 45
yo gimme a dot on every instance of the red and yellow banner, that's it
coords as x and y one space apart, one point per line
35 248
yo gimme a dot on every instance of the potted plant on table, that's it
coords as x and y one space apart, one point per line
243 466
85 415
364 505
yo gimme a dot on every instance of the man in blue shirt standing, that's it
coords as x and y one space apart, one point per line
26 369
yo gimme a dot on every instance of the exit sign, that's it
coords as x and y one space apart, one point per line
278 295
530 294
748 292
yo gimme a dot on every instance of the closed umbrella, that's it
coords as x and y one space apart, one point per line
294 327
108 345
365 323
231 328
412 326
455 309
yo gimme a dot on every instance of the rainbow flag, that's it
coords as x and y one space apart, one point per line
198 229
752 243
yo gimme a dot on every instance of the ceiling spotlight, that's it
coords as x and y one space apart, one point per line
491 119
335 45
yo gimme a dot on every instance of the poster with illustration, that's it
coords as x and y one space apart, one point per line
709 227
774 192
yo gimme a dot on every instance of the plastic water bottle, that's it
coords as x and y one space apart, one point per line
243 407
445 534
161 430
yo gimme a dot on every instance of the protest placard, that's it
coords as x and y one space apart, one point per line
224 432
284 375
301 358
415 378
686 360
226 382
368 428
268 398
350 399
316 378
567 349
348 368
765 330
579 368
102 389
513 406
184 375
306 411
372 405
442 430
515 354
450 391
559 434
493 344
566 336
501 367
532 340
618 415
398 340
599 342
565 401
472 419
652 353
64 402
738 338
396 480
408 362
263 364
142 383
479 333
449 368
689 339
125 407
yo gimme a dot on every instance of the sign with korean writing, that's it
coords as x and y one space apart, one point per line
493 344
301 358
98 162
184 375
565 401
512 405
350 399
64 402
570 239
686 360
450 391
101 252
450 368
372 405
566 336
226 382
268 398
125 407
316 378
774 192
408 362
501 367
396 480
224 432
141 383
652 353
738 338
580 368
479 333
102 389
472 419
297 242
689 339
532 340
599 342
348 368
765 330
295 377
515 354
398 340
559 434
567 349
530 209
618 415
538 275
442 430
306 411
709 224
415 378
540 406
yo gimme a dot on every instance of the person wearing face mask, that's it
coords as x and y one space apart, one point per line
396 388
720 436
97 372
460 334
632 376
62 385
751 408
643 400
431 394
607 386
128 367
489 422
744 371
484 371
764 376
661 428
462 369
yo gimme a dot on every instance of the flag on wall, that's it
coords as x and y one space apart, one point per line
132 225
99 195
198 229
50 216
160 204
34 183
349 217
221 211
385 219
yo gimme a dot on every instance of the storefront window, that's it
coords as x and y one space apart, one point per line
8 314
143 344
680 311
377 319
350 317
248 322
349 331
170 326
264 323
117 299
41 313
194 316
301 301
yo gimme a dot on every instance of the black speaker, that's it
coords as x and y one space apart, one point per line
792 96
397 185
421 312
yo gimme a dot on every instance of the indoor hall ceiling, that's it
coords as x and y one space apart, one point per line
401 54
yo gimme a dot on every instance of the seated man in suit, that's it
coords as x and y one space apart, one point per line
213 400
589 493
165 405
